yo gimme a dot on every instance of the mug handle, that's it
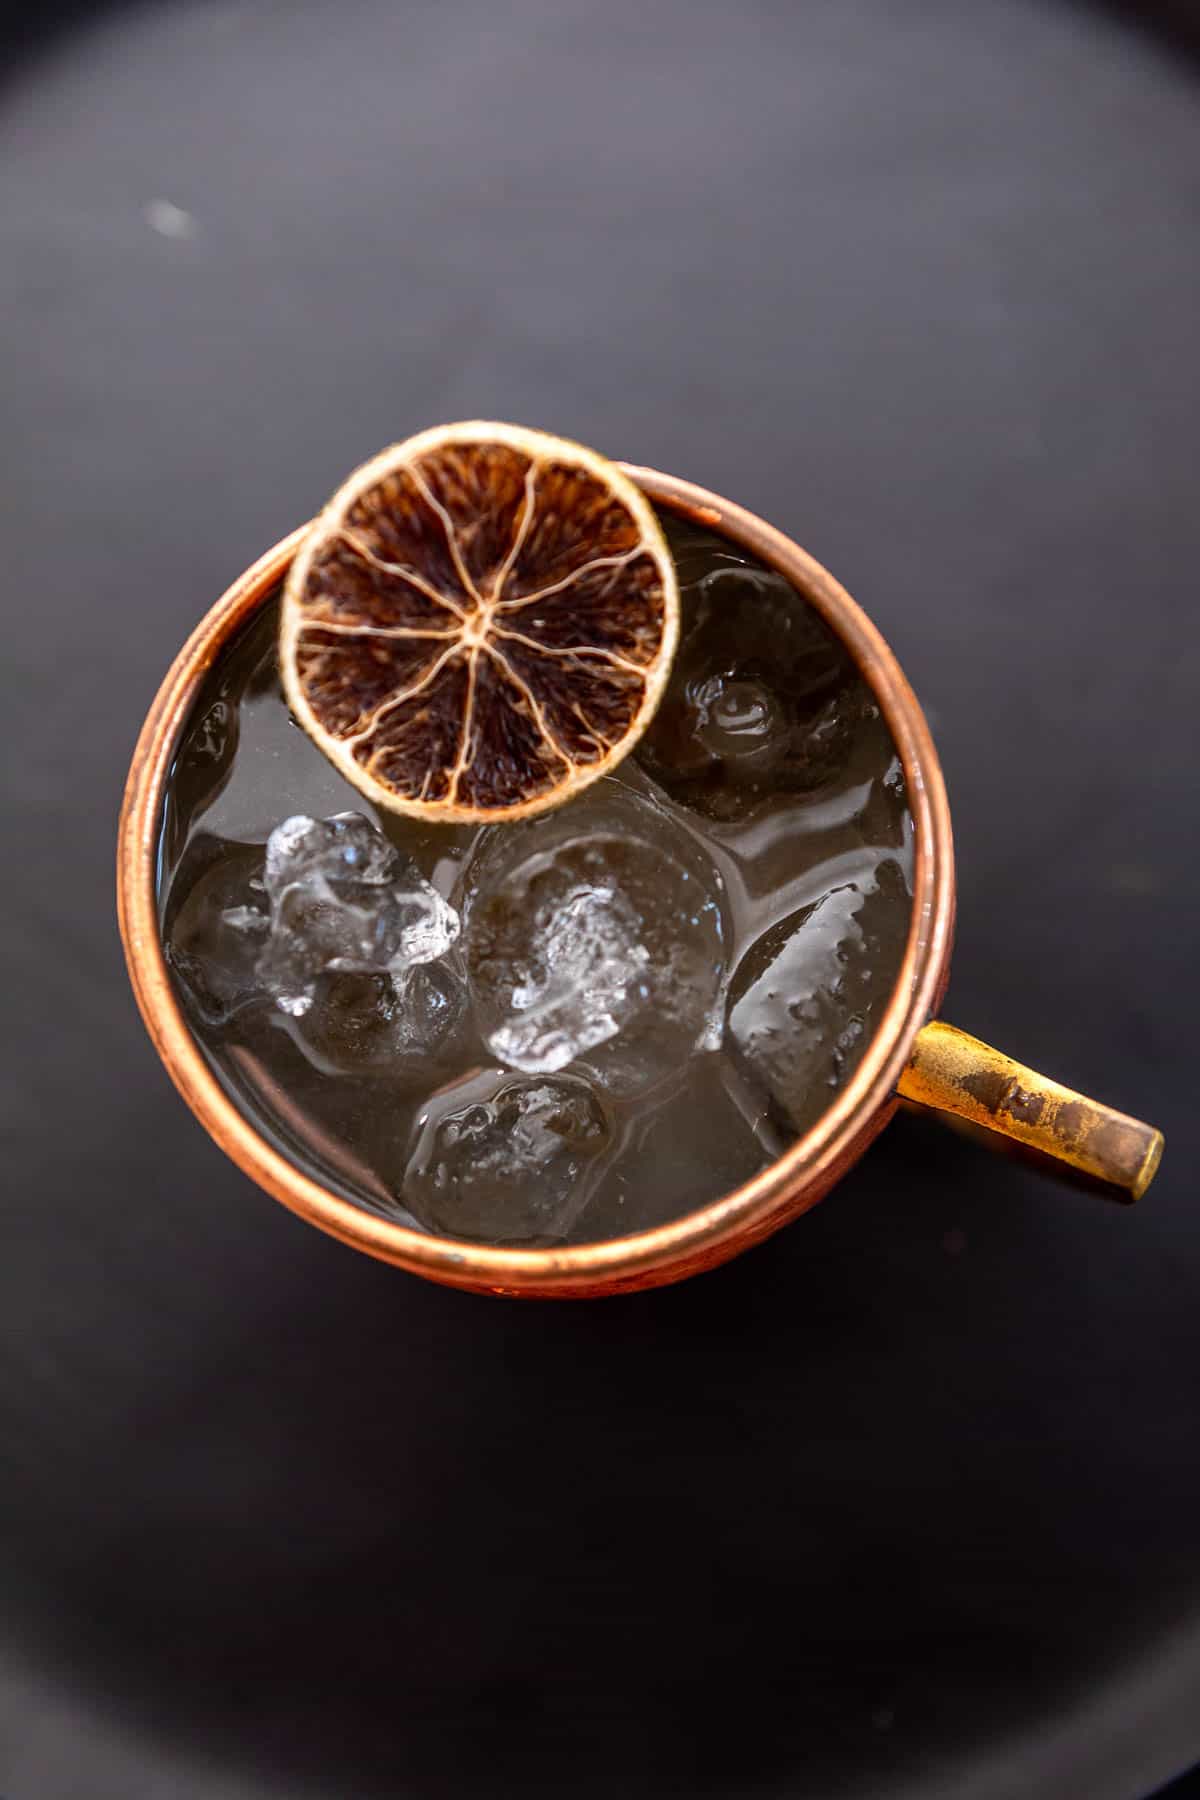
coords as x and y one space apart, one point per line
952 1073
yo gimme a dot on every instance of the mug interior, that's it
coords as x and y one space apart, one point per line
701 1236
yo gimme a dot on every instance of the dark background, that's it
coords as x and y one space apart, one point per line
905 1503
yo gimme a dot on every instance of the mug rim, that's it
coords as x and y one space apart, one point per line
699 1239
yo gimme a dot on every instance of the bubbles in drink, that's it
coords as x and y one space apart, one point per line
343 900
596 934
506 1158
806 996
762 697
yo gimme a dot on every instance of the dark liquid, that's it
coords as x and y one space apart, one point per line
769 753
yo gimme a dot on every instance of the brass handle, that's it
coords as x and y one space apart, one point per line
953 1073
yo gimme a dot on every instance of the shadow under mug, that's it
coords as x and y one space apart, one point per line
913 1056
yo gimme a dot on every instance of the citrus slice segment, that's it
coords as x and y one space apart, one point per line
480 623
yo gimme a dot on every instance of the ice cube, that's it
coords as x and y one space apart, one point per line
507 1159
596 933
214 935
397 1026
807 996
762 697
344 900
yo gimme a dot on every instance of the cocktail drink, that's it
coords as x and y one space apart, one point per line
549 891
600 1017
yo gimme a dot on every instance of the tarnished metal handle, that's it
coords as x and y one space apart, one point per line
953 1073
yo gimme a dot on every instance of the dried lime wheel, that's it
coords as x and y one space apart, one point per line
480 623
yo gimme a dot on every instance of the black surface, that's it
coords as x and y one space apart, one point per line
904 1503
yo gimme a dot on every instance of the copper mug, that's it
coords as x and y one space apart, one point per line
913 1056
